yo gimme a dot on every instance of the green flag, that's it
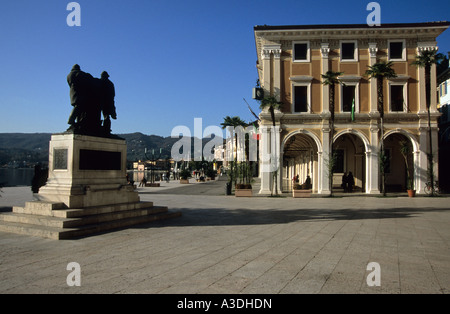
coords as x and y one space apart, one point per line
353 110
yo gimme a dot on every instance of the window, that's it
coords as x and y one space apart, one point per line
301 98
397 50
443 89
349 92
397 99
301 52
348 96
349 51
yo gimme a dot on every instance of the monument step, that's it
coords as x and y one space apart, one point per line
31 230
61 222
116 224
34 208
47 231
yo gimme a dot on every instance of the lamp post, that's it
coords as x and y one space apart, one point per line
152 160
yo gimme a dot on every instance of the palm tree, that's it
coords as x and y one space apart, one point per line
331 79
271 103
233 122
425 60
380 71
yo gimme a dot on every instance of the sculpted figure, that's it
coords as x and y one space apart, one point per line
107 94
81 98
90 97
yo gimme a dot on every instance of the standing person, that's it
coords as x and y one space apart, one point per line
350 181
344 181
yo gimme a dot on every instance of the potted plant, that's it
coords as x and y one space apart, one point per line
405 150
244 187
184 176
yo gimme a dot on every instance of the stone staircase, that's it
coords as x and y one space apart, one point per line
56 221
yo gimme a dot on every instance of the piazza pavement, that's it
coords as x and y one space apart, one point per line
259 245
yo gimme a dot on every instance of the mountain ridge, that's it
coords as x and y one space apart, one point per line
28 149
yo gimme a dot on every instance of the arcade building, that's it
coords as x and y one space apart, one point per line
291 61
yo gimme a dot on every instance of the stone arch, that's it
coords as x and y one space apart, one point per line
359 134
415 151
408 135
306 132
352 157
289 166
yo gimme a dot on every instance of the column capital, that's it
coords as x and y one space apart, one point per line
373 49
267 50
325 49
426 46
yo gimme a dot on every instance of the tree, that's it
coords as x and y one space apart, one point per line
405 150
233 122
425 60
271 103
331 79
380 71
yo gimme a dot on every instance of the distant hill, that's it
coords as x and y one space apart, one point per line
26 149
23 149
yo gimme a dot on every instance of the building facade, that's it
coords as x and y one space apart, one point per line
291 61
443 92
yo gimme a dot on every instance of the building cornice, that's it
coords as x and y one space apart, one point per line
444 24
271 39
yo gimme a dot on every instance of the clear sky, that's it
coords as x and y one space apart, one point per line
170 61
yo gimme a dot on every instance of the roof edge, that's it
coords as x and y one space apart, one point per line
350 26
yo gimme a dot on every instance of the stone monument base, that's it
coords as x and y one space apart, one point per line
87 192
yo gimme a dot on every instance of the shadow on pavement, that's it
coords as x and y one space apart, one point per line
224 217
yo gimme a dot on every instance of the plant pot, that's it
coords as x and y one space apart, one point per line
411 193
184 181
243 192
301 193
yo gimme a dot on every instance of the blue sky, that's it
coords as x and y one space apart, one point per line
170 61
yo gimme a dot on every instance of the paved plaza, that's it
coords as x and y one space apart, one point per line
223 244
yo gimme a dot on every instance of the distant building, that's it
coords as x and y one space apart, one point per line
291 60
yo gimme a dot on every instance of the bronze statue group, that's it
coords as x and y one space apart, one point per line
91 97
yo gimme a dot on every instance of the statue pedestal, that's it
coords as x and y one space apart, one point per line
87 192
87 171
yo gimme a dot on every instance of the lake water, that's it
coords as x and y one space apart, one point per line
16 177
23 177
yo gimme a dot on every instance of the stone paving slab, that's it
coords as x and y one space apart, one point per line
222 244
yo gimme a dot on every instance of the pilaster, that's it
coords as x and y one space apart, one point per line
325 50
372 163
373 49
271 59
